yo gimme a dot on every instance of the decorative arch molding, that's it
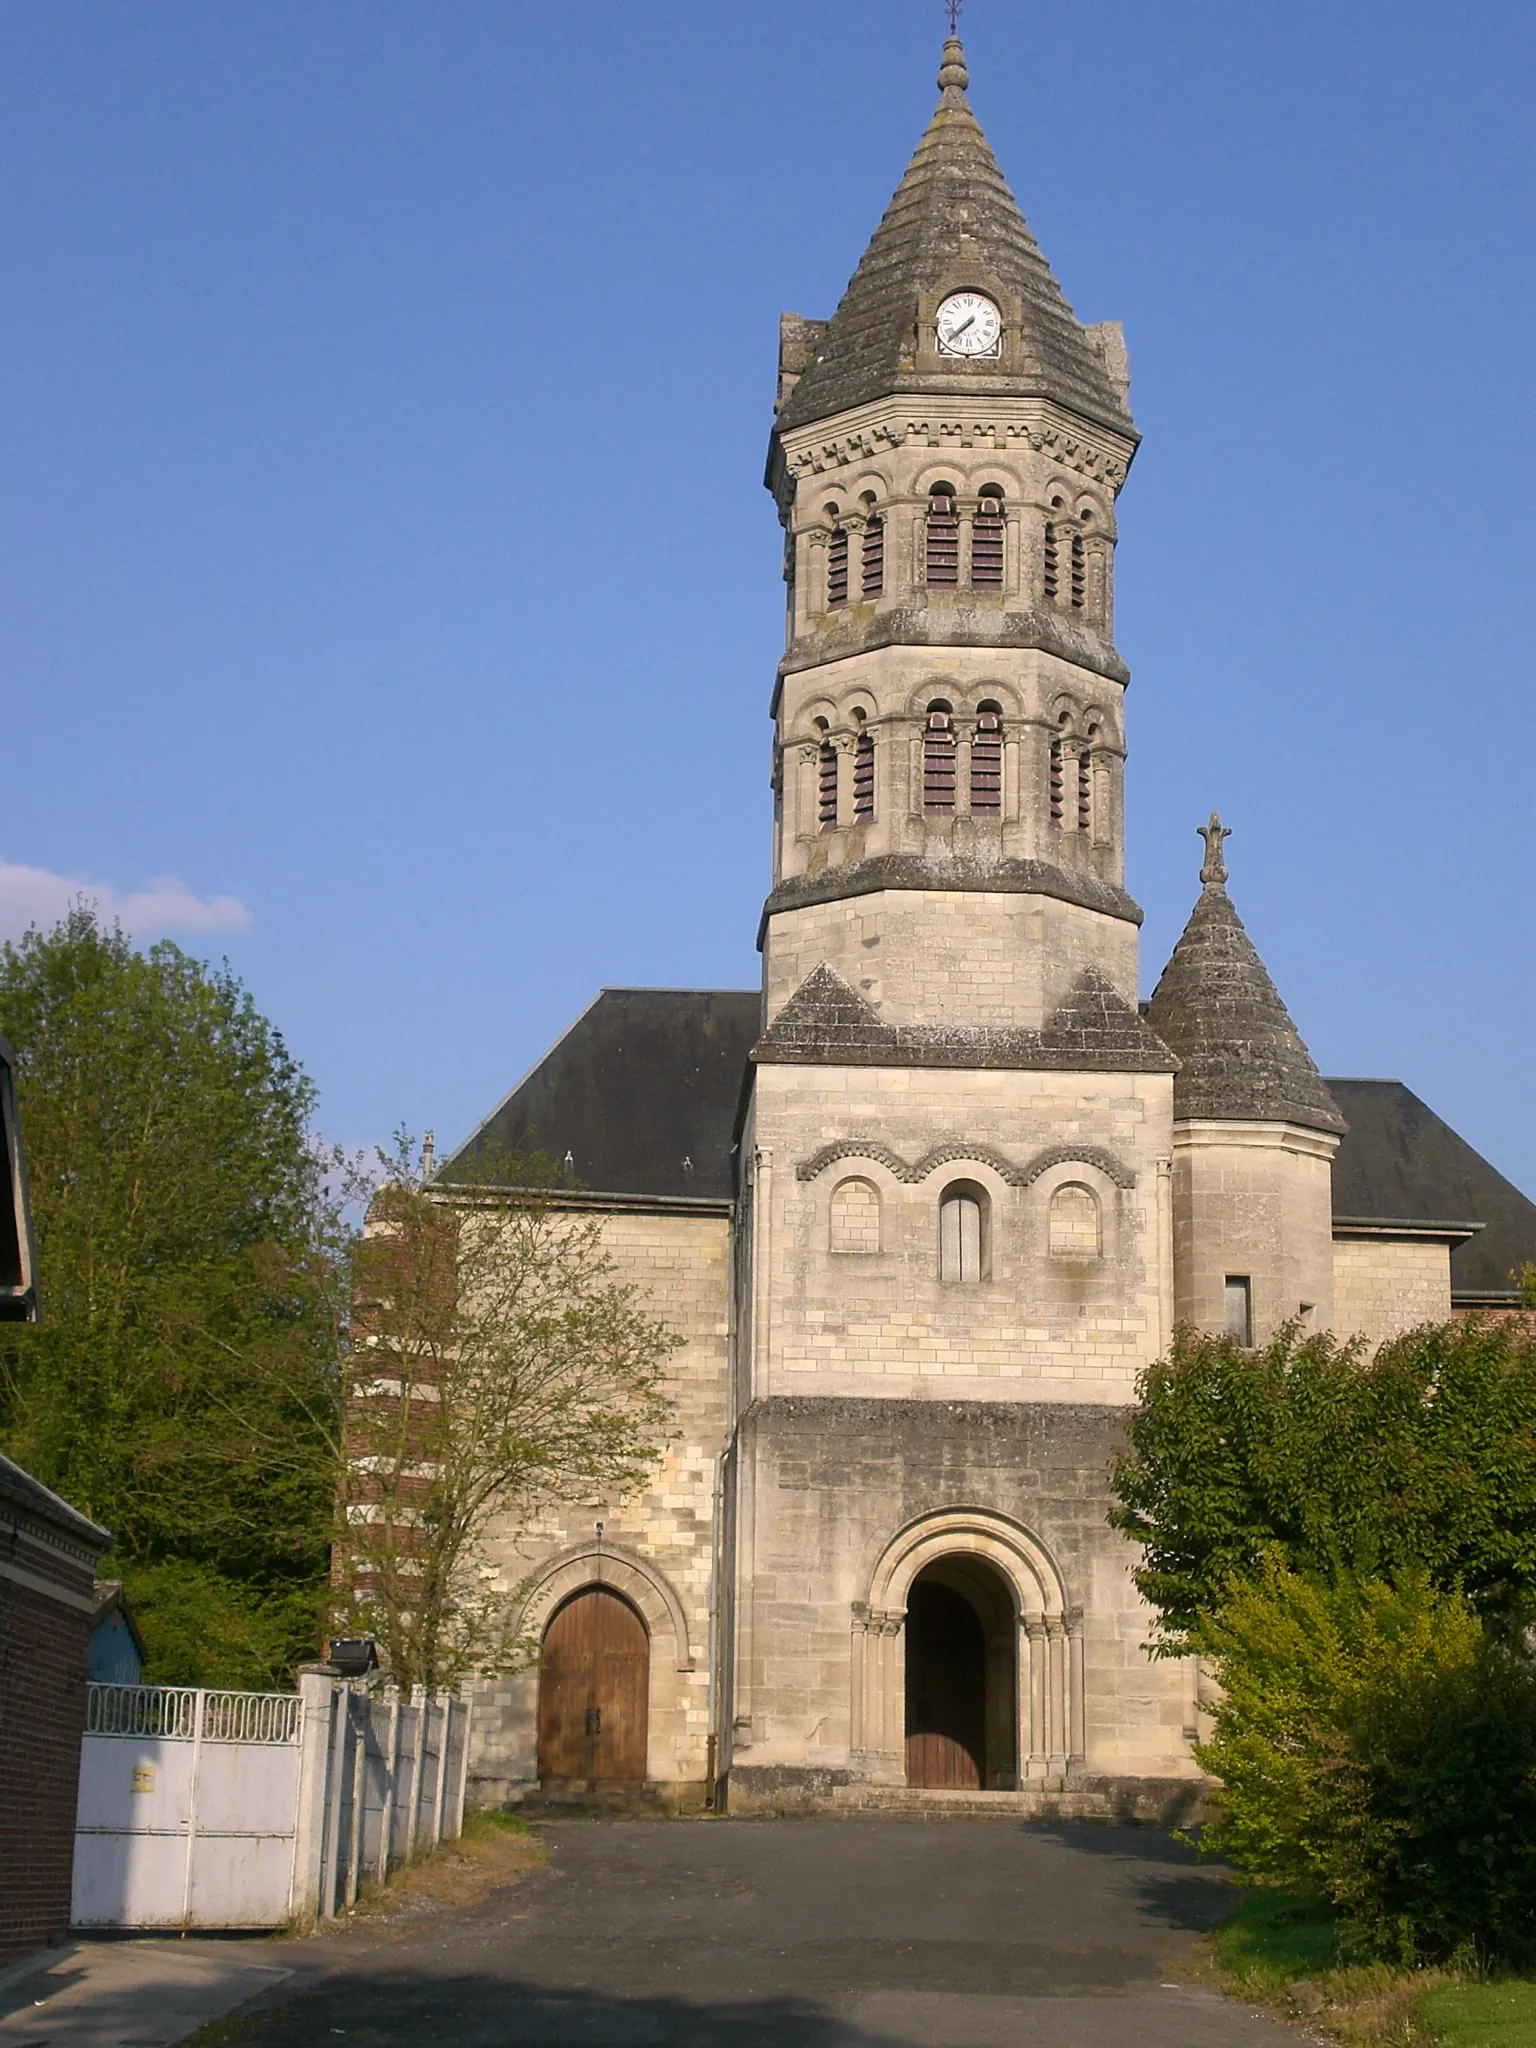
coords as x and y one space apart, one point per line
1024 1561
1007 1170
1051 1706
623 1572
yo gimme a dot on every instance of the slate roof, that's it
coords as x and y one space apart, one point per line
18 1489
645 1079
826 1022
952 210
1399 1162
1240 1056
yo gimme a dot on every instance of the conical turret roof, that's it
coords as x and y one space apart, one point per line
1240 1056
953 210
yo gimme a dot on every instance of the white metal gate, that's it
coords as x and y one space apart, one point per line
188 1812
241 1809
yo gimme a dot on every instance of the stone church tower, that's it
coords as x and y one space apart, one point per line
956 1224
922 1208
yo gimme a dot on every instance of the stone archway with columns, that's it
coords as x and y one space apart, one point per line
1050 1705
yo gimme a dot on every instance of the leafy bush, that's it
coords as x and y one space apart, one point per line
1376 1746
1421 1456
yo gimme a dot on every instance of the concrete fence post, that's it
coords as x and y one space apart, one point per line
316 1688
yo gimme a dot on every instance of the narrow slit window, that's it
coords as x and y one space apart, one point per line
943 539
1085 791
1052 563
873 561
837 568
826 786
987 765
939 765
1239 1308
1058 782
987 537
1079 572
864 776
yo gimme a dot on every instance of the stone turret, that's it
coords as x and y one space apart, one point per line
946 456
1255 1130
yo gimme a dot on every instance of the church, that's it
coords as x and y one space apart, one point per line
924 1205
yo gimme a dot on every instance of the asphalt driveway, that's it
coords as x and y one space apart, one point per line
798 1934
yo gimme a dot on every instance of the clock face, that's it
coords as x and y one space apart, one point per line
969 325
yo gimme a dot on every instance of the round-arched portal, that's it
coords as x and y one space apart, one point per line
594 1685
961 1677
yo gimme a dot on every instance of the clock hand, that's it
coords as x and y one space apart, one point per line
968 321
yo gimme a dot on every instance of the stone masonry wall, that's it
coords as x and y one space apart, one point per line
1382 1288
655 1548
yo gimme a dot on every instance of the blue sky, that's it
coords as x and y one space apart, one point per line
388 596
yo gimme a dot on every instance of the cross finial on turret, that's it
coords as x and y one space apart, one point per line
954 7
1214 868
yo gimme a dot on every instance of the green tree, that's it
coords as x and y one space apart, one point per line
498 1366
1421 1455
1376 1746
182 1386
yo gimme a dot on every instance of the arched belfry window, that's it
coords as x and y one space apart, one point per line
987 763
963 1232
943 538
987 538
1051 558
837 568
863 775
1079 572
872 565
939 762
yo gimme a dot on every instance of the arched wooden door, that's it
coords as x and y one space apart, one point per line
594 1684
946 1689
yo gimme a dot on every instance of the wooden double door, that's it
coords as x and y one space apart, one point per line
594 1685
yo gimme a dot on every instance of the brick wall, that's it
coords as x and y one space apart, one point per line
42 1709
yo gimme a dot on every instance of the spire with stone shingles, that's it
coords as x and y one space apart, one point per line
1240 1056
953 210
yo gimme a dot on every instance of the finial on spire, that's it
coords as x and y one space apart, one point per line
1215 867
952 71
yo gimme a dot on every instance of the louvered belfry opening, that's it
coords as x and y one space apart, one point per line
873 564
1052 563
837 568
826 786
939 763
1079 572
1085 791
987 533
864 776
987 764
943 539
1058 782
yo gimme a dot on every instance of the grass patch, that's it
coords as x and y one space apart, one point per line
1500 2014
1289 1953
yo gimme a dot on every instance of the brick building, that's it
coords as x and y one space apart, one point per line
924 1206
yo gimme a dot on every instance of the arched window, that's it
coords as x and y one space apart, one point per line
943 538
826 786
837 568
1074 1223
1085 791
864 775
873 561
855 1217
1058 790
962 1232
939 763
987 531
987 763
1079 572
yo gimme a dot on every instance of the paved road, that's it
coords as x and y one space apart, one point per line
800 1934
